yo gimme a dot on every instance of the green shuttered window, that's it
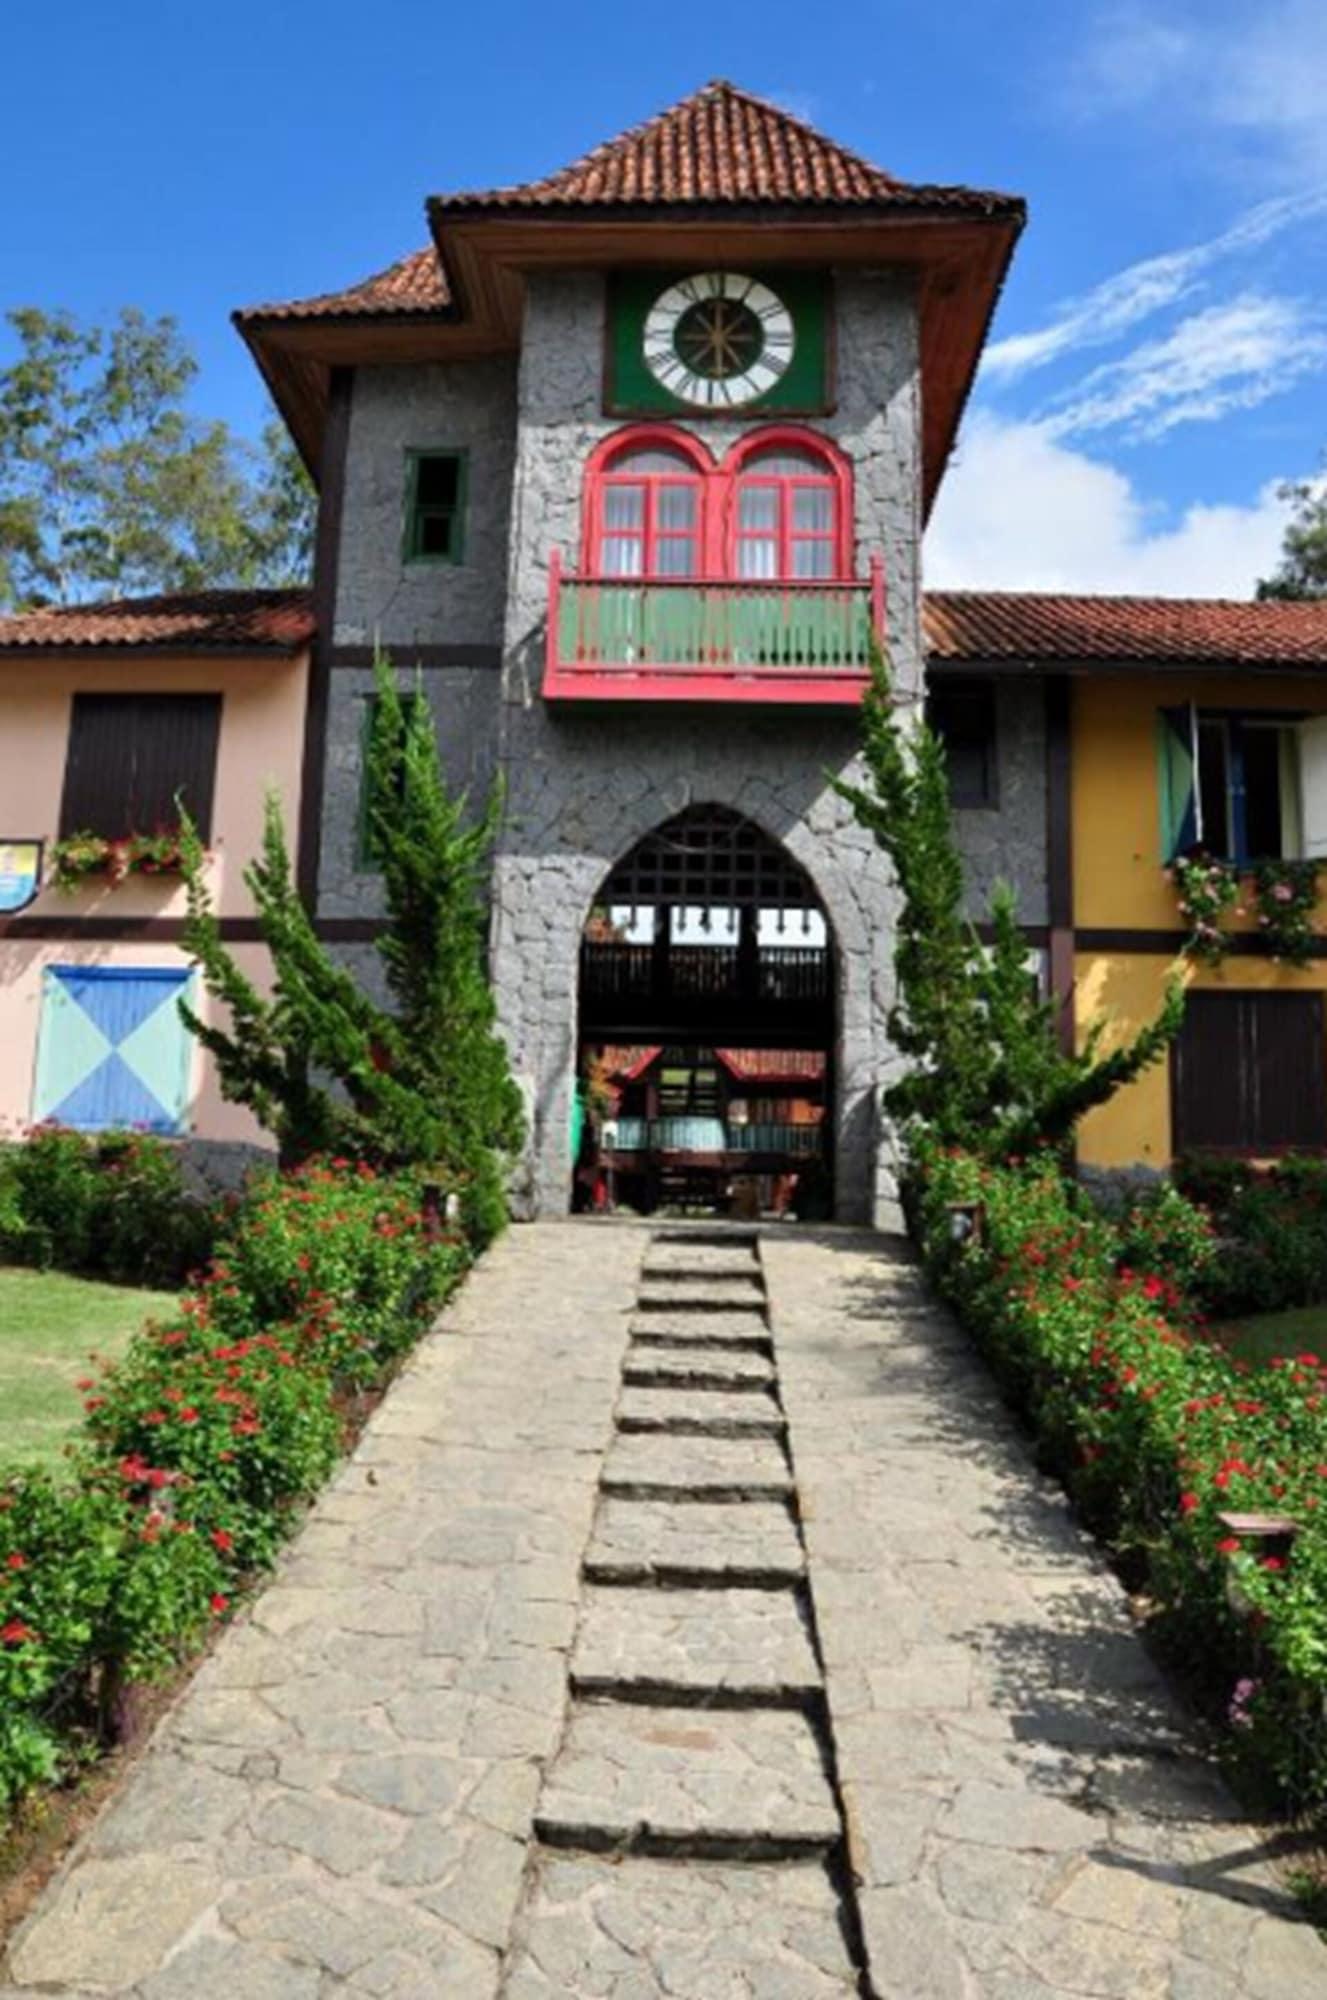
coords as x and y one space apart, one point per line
365 859
436 484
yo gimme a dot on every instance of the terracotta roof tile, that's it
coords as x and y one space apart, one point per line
774 1065
238 619
999 625
414 284
723 145
719 146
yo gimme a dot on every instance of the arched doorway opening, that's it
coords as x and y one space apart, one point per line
707 1028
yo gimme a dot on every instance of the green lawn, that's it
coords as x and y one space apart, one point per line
48 1325
1262 1336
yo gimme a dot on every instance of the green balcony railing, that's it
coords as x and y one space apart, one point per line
674 627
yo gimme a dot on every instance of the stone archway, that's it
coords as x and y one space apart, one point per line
707 1025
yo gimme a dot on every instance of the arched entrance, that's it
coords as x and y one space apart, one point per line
707 1026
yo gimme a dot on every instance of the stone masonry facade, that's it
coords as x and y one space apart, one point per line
581 790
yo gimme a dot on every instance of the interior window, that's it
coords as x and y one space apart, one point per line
1248 787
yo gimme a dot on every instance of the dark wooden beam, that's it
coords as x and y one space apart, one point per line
326 556
1060 854
420 656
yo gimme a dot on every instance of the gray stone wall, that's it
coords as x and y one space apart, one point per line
466 406
582 789
1006 842
464 702
876 422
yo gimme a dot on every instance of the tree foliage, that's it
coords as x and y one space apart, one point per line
108 484
1303 568
320 1063
985 1067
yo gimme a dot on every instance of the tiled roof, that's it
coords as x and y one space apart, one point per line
236 619
722 145
997 625
414 284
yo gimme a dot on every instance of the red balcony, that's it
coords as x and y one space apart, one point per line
680 639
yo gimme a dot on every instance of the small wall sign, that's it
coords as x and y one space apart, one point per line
20 874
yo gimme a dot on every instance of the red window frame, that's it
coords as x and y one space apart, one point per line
718 533
741 473
601 479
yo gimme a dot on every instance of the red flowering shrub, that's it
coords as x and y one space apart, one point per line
1157 1431
88 1588
199 1447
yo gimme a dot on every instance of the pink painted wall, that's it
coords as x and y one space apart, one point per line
260 746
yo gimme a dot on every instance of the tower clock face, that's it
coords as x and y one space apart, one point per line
718 340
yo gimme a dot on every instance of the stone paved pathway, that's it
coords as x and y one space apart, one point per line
690 1623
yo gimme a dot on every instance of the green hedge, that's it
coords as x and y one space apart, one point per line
111 1205
1157 1431
198 1449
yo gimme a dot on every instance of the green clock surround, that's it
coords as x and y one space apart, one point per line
719 341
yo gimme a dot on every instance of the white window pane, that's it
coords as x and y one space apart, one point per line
757 558
622 555
757 506
813 559
675 555
624 506
677 507
813 509
653 460
783 462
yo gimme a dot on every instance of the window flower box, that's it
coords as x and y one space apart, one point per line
80 857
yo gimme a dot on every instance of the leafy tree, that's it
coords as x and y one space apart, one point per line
986 1069
108 484
320 1064
1303 568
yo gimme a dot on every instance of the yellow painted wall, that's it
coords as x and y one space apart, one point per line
1127 990
1118 879
1119 884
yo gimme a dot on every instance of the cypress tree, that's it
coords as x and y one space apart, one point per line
986 1069
423 1081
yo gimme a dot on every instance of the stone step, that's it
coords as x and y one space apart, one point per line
744 1782
692 1412
711 1329
707 1468
687 1365
685 1645
655 1929
724 1236
690 1541
698 1295
721 1260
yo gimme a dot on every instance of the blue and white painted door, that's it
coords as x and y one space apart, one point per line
113 1050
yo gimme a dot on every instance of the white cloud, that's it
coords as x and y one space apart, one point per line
1020 510
1144 288
1228 357
1251 69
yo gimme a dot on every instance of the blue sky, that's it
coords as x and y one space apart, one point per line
1160 357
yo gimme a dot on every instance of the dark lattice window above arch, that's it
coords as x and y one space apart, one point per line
709 855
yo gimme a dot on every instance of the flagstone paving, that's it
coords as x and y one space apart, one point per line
690 1622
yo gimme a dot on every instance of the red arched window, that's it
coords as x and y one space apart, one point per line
646 505
789 508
